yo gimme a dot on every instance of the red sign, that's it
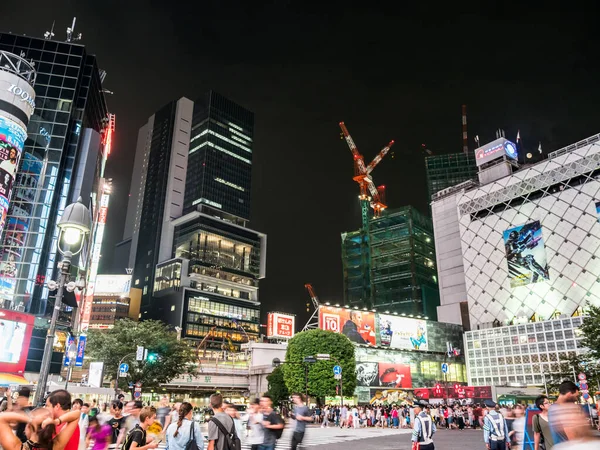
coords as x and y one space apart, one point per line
394 375
356 325
15 336
281 326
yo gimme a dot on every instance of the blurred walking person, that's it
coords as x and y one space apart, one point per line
302 416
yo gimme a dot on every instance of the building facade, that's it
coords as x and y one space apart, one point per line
402 274
444 171
64 130
194 260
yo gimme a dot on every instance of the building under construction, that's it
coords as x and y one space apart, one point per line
401 257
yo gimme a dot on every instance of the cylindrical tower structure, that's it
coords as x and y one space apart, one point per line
17 103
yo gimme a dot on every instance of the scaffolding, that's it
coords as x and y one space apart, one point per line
444 171
402 276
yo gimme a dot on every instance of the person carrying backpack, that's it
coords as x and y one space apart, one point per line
136 438
221 429
272 423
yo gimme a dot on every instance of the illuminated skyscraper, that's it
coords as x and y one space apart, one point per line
63 139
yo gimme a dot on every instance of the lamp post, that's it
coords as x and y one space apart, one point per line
74 226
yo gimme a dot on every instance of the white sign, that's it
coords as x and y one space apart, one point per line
281 326
96 374
139 354
116 285
25 96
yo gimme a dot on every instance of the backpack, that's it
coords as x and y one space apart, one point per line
129 438
232 441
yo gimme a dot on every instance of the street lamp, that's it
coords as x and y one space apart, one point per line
74 226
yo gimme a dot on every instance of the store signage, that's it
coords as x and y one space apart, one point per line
25 96
280 325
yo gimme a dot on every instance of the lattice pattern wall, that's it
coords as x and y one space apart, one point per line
561 193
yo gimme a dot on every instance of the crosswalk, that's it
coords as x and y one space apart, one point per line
315 436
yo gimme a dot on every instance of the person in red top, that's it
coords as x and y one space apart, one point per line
59 402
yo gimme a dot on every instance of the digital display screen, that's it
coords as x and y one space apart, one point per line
526 254
12 336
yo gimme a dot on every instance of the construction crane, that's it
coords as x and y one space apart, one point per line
313 322
370 196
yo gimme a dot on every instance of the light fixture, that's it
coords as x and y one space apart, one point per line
74 224
327 303
395 313
387 312
337 305
404 314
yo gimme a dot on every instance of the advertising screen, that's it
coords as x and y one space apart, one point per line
15 335
280 325
394 375
494 150
402 333
526 254
358 326
367 374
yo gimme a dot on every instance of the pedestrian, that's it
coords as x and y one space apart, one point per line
518 428
22 406
543 436
302 417
136 438
59 403
424 428
163 411
325 423
40 429
272 423
564 415
100 433
180 433
220 425
117 422
495 430
256 433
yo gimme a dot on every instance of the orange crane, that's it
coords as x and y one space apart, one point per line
369 194
313 322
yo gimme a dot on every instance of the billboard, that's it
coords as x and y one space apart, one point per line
112 285
526 254
367 374
383 374
282 326
358 326
495 150
15 336
402 333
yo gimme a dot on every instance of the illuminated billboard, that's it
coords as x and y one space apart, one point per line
281 326
494 150
15 336
358 326
402 333
526 254
112 285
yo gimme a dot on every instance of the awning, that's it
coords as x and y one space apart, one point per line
11 379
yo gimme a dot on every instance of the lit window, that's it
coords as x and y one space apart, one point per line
172 307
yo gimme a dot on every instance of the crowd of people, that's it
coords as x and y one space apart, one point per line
71 424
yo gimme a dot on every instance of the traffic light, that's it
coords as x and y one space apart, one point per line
152 357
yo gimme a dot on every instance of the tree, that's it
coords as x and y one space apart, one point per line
321 382
590 328
277 388
569 369
170 357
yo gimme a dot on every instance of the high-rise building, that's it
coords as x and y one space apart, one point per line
63 133
444 171
403 275
193 258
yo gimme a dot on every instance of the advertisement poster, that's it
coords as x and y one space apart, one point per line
358 326
526 254
394 375
391 397
402 333
598 210
367 374
15 336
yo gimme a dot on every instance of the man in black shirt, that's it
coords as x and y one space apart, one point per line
272 423
136 439
117 422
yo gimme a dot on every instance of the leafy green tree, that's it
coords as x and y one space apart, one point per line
170 357
590 329
321 382
277 388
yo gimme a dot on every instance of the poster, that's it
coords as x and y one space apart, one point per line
525 254
598 210
402 332
394 375
391 397
358 326
367 374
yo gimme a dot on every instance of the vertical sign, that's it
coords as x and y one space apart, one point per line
68 345
80 350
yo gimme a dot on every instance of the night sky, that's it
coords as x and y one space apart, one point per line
396 72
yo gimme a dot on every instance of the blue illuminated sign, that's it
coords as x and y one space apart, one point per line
80 350
511 150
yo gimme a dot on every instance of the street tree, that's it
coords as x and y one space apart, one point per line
168 356
321 382
278 391
590 329
569 369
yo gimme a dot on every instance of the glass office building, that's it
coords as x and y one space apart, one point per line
69 100
219 170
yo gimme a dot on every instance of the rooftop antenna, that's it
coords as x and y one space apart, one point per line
70 32
464 130
50 34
